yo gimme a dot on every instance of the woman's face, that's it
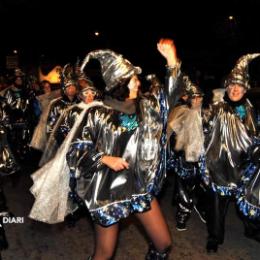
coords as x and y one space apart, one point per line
235 92
134 85
196 101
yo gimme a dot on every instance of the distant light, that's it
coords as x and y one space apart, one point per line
231 17
97 33
15 51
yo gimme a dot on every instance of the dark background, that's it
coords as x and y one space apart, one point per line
208 42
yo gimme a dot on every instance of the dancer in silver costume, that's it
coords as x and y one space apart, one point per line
118 147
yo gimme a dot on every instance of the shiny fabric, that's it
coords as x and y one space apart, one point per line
114 67
239 74
22 118
249 195
111 193
61 129
51 184
228 144
8 163
97 131
57 107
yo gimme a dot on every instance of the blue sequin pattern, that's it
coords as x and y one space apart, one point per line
112 213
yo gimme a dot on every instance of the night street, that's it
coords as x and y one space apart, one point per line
34 240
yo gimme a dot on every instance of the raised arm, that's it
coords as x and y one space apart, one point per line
167 49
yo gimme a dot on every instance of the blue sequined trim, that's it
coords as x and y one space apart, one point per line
176 163
248 209
249 172
128 121
222 190
112 213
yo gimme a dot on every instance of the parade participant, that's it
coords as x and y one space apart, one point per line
59 105
20 100
231 128
87 93
187 146
118 147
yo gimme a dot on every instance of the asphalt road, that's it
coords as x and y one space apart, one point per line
33 240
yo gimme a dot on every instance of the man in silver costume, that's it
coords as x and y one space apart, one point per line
185 134
231 129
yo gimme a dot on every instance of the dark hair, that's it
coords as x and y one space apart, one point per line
120 91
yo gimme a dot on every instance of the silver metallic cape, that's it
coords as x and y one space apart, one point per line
139 146
186 123
51 184
68 118
228 145
97 132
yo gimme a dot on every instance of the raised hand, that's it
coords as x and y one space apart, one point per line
168 50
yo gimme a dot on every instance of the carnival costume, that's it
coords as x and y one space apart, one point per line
185 134
134 131
231 129
21 100
57 107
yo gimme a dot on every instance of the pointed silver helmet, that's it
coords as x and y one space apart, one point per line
239 74
114 67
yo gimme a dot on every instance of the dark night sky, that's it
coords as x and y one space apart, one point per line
204 36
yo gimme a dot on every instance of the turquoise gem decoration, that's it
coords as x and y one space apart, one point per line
128 121
241 111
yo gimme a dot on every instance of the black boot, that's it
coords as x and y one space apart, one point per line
212 245
181 220
153 254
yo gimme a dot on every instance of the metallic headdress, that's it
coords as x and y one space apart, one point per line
114 67
81 75
191 89
68 76
239 74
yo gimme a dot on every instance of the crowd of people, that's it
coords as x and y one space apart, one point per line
108 152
